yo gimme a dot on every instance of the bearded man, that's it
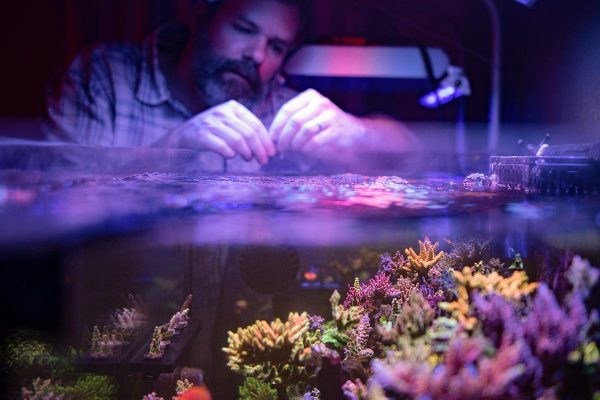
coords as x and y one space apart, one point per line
217 88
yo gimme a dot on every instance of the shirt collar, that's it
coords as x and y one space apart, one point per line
152 86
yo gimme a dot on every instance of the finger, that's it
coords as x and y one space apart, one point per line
310 128
256 125
296 123
325 137
251 139
218 145
289 109
232 138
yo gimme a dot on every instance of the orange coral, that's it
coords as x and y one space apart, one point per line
422 262
513 287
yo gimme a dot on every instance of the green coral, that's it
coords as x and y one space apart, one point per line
89 387
253 389
28 355
334 331
412 320
86 386
278 353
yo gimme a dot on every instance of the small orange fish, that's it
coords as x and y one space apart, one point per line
196 393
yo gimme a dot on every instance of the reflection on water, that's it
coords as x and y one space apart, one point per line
74 202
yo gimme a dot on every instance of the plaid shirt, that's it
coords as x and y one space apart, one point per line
116 95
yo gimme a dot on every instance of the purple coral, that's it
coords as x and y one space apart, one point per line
466 374
497 318
359 336
370 295
316 322
354 390
552 332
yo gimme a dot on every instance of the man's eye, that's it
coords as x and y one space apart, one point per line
277 48
242 28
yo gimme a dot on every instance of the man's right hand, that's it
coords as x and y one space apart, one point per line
228 129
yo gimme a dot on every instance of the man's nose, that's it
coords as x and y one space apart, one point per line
256 51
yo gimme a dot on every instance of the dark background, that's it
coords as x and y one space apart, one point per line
551 52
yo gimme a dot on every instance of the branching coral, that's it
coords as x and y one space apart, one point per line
183 386
359 336
41 390
378 290
441 332
551 331
253 389
421 263
513 287
354 390
412 320
277 353
466 373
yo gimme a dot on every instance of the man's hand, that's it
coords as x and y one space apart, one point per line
228 129
311 122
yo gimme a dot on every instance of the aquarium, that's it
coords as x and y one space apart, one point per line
138 273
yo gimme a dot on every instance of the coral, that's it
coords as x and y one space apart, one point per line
358 338
392 266
342 316
379 289
152 396
96 338
467 253
466 373
89 387
553 332
183 386
414 317
497 317
178 321
156 344
331 355
253 389
196 393
277 353
42 390
513 287
25 353
355 390
421 263
187 303
582 276
314 394
316 322
440 333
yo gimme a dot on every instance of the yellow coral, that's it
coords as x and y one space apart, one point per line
276 353
513 287
422 262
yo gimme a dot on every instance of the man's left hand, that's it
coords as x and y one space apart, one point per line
310 122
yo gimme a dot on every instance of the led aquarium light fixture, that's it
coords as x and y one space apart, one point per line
454 85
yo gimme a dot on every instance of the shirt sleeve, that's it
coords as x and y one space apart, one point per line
80 105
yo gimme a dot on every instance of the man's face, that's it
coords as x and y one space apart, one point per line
242 50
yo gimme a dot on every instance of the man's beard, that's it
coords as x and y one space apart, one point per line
211 72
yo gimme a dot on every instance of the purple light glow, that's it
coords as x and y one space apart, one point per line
528 3
442 94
